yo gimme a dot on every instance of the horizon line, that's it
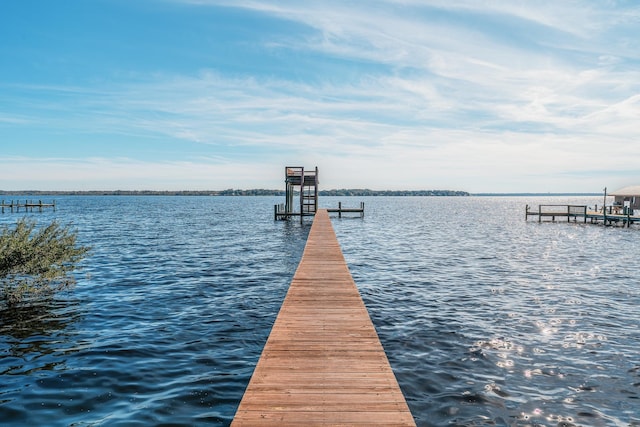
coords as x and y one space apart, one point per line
266 190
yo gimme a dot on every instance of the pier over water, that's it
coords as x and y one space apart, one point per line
323 363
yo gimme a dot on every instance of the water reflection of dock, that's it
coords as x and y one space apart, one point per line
608 215
323 363
27 205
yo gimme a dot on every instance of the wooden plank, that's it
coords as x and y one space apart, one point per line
323 363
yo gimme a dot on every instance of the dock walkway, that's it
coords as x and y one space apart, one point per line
323 363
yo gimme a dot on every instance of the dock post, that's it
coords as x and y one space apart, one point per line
339 209
539 213
362 207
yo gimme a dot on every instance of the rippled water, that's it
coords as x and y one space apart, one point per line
486 319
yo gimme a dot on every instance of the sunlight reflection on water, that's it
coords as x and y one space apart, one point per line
505 321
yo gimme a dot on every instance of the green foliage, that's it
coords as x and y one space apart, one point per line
36 262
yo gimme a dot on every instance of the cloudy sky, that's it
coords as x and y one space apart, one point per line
481 96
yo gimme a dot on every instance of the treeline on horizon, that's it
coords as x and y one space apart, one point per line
234 192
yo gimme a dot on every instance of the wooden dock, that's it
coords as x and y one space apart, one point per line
27 205
575 213
323 363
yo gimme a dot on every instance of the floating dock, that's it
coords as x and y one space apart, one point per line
606 216
323 363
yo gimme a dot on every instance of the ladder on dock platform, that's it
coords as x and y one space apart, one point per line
309 193
306 183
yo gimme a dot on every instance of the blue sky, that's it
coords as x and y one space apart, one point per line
495 96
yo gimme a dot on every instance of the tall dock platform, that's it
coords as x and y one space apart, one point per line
323 363
306 183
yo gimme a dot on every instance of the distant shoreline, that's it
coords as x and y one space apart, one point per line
265 192
535 194
233 192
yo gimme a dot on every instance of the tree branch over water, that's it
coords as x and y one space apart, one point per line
35 263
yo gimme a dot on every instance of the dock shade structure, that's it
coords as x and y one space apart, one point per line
628 197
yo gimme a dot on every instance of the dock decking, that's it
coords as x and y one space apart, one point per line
323 363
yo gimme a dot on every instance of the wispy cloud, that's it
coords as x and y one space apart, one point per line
423 92
132 174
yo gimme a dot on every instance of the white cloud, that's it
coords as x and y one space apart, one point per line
13 120
131 174
440 95
405 129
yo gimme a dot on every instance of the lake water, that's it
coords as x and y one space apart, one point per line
486 319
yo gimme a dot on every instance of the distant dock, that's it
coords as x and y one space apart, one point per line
606 215
27 205
323 364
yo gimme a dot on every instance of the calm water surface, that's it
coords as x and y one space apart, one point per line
486 319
